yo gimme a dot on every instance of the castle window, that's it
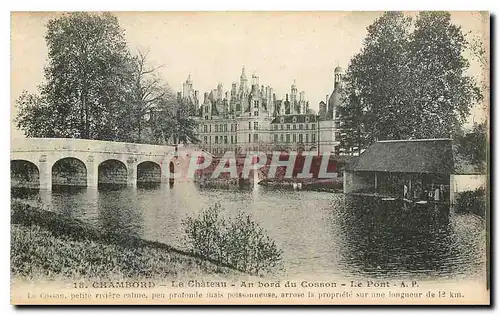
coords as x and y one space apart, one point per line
206 117
337 124
294 138
281 137
249 138
256 104
205 139
287 137
256 113
275 138
307 119
249 125
255 137
301 138
256 125
287 127
282 119
275 127
313 126
216 139
205 129
307 126
294 126
301 126
313 137
294 119
307 138
216 128
225 139
282 127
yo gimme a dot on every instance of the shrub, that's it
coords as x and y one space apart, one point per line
473 201
238 242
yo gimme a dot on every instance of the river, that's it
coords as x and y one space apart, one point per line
320 233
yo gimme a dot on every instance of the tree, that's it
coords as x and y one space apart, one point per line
471 149
442 95
86 80
172 122
373 95
408 81
146 94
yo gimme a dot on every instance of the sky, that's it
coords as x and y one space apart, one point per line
212 47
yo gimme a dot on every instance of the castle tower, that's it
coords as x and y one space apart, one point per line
243 81
219 91
335 98
293 94
187 88
338 75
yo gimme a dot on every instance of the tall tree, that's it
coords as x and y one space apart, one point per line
409 80
172 123
442 93
373 90
147 92
86 80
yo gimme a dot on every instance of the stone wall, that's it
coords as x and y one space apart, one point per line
148 172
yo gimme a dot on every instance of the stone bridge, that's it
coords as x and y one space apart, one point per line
44 162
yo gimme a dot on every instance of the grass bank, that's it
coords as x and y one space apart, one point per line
45 244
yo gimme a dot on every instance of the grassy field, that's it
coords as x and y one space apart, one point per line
47 245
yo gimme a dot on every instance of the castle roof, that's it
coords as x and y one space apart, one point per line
299 118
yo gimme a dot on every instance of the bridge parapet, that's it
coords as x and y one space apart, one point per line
64 144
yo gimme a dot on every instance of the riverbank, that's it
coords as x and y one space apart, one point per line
47 245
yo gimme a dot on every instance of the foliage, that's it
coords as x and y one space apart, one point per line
408 81
471 148
85 80
47 245
94 88
472 202
238 242
172 123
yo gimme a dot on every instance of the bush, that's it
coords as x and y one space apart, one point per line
472 202
238 242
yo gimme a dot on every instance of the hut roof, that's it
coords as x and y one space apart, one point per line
406 156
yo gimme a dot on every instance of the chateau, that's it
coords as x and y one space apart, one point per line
250 118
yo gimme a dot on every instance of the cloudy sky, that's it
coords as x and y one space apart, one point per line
212 47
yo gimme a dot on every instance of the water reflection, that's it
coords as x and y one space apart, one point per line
322 233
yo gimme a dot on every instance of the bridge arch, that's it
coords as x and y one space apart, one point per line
148 172
69 171
24 174
112 171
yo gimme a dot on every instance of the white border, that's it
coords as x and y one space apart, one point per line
185 5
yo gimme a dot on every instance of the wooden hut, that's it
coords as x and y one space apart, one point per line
418 170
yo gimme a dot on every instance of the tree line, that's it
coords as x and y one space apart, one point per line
410 81
94 87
